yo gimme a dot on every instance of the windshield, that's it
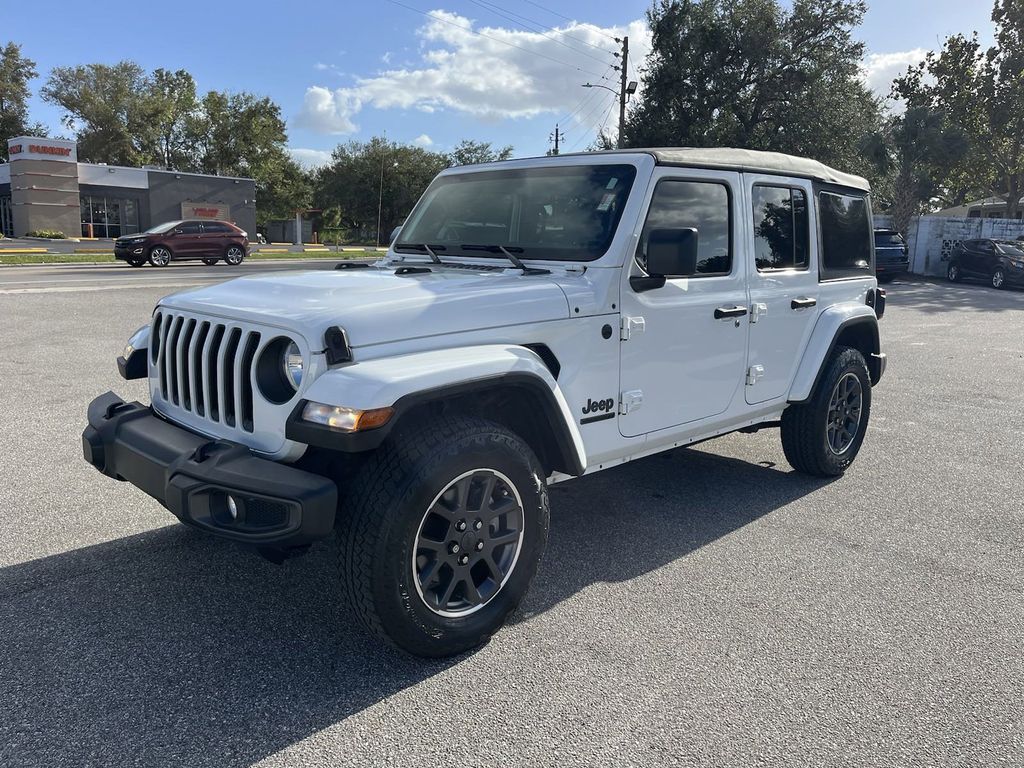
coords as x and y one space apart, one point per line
161 228
569 212
883 239
1012 249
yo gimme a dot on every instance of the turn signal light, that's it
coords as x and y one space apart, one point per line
346 419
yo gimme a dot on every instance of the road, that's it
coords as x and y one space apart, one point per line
706 607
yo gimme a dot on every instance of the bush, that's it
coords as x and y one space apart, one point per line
49 234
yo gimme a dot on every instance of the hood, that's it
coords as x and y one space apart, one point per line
376 306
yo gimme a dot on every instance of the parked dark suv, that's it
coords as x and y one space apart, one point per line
208 241
891 255
1000 262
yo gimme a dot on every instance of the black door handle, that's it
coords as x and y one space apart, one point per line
723 312
802 303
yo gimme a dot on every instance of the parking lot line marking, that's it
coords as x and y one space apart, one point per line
87 288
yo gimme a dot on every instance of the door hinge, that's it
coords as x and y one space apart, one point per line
757 311
631 401
754 373
629 326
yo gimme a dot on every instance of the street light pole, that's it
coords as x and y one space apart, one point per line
623 67
380 196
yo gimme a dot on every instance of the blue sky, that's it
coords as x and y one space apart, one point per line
472 70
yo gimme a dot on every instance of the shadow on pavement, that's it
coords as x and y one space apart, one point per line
934 295
171 647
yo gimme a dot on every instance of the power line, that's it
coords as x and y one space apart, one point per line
588 121
541 25
495 39
589 96
562 16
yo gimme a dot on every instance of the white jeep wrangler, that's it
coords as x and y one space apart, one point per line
534 321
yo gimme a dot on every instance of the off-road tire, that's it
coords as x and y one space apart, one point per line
380 516
804 425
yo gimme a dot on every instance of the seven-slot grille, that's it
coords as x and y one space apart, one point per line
205 367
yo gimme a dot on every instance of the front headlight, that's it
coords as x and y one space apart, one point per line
291 364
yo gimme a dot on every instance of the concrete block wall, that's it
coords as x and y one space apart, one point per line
930 239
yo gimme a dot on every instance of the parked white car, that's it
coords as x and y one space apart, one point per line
534 321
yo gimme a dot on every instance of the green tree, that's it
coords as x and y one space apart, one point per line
469 152
981 94
364 177
106 106
15 73
754 74
169 104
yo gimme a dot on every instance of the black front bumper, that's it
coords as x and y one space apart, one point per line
194 477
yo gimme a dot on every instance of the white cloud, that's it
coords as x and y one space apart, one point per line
493 75
423 141
309 158
879 69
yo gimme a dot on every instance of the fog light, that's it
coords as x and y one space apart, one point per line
345 419
232 507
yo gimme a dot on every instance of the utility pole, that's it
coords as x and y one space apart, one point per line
557 136
623 67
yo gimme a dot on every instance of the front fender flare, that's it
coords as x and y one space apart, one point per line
830 324
403 382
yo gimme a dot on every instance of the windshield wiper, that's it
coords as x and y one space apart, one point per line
424 247
508 252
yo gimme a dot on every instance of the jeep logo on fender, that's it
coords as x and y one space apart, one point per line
599 406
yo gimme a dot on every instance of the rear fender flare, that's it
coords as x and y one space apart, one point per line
830 325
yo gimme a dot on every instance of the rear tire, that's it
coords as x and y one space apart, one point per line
419 506
823 435
999 279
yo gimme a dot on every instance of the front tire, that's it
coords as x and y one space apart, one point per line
441 534
999 279
234 255
953 273
159 256
822 436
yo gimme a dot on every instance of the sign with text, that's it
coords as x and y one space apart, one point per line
35 148
193 210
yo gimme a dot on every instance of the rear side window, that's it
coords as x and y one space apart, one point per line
888 239
215 227
701 205
846 235
781 228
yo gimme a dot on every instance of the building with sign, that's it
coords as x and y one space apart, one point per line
44 187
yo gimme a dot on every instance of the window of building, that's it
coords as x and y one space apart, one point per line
701 205
781 228
6 220
108 216
846 235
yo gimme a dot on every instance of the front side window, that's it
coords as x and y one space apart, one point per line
189 228
700 205
563 213
846 235
781 228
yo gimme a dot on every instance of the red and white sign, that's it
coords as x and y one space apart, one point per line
205 211
34 148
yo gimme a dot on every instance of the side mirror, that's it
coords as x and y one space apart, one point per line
670 253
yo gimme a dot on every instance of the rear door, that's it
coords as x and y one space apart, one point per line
684 343
214 239
783 268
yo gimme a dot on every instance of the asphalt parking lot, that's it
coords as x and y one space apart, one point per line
706 607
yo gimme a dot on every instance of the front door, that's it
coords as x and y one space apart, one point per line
684 356
185 240
783 281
